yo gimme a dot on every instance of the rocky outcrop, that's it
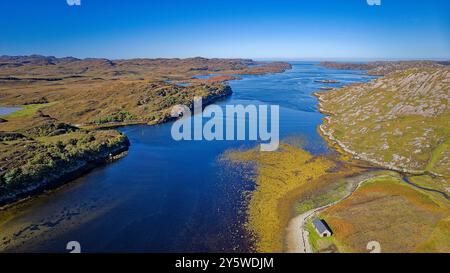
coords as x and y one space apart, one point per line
64 173
399 121
215 93
327 81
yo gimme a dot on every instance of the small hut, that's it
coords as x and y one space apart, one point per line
322 228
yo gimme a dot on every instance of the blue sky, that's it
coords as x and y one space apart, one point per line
297 29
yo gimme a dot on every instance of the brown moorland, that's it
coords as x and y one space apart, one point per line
65 101
397 215
399 122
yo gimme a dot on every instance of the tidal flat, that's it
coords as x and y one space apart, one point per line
196 200
281 177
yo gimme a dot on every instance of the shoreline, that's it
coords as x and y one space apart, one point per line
297 235
66 177
55 182
342 148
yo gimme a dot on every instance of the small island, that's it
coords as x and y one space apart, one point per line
327 81
326 88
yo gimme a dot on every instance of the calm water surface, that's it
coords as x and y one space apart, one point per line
8 110
169 196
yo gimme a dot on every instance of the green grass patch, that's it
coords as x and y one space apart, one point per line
333 194
27 110
437 153
63 137
318 243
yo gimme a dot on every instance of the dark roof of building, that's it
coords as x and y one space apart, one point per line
320 226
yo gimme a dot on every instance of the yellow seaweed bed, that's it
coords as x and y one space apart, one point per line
281 176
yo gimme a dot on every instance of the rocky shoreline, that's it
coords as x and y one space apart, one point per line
83 166
329 137
65 174
207 100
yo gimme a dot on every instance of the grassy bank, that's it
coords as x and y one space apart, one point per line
399 216
397 122
69 110
281 177
37 152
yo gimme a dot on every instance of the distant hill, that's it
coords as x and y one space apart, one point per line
96 90
49 65
384 67
67 103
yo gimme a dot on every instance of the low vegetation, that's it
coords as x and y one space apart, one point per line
399 121
40 154
281 177
399 216
332 188
95 92
68 102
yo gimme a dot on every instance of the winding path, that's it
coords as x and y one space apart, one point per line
297 236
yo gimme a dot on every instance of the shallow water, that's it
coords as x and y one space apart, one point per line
8 110
202 77
169 196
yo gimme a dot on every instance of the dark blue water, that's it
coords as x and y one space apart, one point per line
172 196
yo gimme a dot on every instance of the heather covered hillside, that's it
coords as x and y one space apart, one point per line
98 91
61 103
400 121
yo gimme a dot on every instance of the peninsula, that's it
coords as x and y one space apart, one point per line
69 107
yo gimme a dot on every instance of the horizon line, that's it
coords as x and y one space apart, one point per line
293 59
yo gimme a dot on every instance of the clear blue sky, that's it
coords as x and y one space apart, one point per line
293 29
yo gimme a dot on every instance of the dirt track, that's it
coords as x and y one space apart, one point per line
297 236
